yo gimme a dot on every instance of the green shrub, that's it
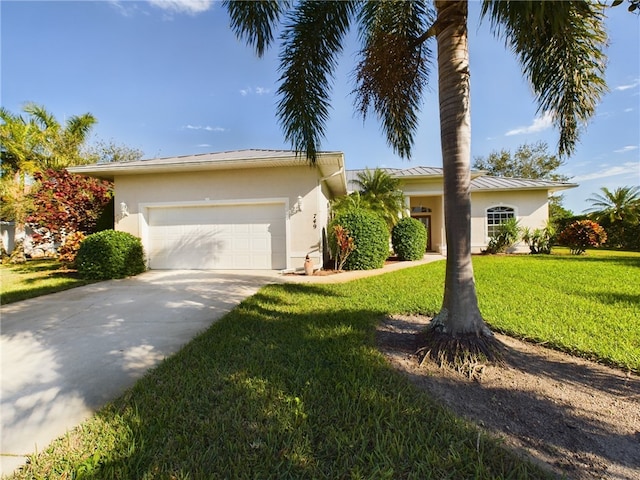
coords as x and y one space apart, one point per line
506 235
539 240
370 236
409 239
582 234
110 254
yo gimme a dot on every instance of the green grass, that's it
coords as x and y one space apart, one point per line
290 385
35 278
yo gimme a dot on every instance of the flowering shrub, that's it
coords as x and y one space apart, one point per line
582 234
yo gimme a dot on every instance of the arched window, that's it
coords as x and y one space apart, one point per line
496 216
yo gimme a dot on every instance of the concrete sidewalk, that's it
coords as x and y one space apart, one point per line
64 355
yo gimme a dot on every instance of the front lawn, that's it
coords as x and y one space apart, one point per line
35 278
290 384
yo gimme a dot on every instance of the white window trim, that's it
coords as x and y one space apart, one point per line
486 217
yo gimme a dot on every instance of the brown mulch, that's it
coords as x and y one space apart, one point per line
578 418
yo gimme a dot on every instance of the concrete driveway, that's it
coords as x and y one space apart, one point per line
65 355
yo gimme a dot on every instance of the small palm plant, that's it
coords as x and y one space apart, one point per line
506 235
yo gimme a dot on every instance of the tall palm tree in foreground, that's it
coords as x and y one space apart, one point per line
559 45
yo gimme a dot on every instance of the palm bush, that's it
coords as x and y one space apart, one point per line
506 235
539 240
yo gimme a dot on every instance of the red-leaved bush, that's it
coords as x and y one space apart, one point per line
582 234
65 203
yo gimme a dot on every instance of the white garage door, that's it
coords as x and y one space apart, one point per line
218 237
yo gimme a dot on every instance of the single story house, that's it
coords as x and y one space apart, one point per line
268 209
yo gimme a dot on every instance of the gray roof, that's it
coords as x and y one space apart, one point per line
329 164
487 183
479 180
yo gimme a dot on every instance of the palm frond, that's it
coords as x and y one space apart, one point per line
311 41
393 69
561 48
254 21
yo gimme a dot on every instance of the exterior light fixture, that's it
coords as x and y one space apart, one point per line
124 210
299 204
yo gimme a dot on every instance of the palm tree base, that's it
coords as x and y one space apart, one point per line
467 353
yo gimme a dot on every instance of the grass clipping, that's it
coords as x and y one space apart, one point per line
466 353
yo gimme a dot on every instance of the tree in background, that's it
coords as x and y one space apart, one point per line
618 211
31 145
560 47
528 161
110 152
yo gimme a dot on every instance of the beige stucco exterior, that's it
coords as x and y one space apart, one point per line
531 208
296 195
281 185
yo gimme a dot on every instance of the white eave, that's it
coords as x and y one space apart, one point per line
328 163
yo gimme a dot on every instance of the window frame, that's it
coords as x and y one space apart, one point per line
504 213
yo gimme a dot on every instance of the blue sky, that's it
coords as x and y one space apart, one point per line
169 77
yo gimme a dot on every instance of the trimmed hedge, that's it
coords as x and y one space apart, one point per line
370 235
110 254
409 239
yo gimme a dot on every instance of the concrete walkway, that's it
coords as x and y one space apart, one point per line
64 355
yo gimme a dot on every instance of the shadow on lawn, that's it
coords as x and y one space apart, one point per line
270 393
555 427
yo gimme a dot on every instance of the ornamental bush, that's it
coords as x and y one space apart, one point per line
110 254
409 239
505 236
370 236
582 234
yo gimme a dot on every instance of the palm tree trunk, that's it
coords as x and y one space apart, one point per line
460 315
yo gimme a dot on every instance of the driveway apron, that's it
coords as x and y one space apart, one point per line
66 354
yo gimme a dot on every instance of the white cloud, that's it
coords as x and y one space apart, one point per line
627 110
624 169
126 9
628 86
191 7
539 124
205 127
258 91
628 148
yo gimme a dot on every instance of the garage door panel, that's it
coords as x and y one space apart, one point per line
218 237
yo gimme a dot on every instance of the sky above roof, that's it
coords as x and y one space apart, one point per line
169 77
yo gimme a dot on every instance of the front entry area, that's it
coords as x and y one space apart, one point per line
426 221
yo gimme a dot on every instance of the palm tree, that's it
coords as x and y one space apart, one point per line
621 205
382 193
619 213
61 145
560 47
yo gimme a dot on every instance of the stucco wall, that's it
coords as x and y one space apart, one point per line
242 185
531 210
